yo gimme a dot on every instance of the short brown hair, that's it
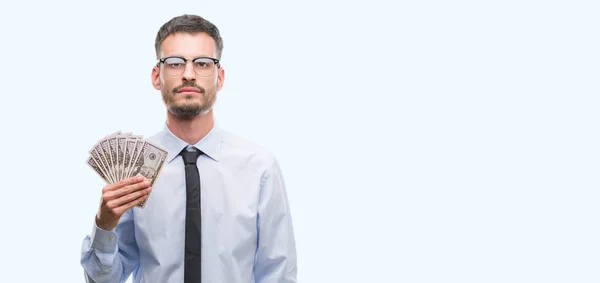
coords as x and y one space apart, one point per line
188 24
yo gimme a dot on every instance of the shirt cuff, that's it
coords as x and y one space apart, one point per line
104 241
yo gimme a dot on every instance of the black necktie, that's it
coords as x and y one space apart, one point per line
192 217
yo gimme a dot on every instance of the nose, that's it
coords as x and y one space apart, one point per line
189 74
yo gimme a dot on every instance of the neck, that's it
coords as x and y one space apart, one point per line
190 130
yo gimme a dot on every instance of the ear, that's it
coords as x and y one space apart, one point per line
220 78
155 77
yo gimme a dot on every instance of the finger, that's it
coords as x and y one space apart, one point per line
123 183
126 206
132 196
111 195
133 188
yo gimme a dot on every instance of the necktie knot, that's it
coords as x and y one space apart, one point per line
190 155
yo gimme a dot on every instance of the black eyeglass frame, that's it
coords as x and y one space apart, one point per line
185 60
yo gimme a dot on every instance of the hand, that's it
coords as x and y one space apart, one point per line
118 198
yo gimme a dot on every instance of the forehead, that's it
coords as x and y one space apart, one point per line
188 45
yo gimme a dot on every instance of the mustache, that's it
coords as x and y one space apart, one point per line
189 84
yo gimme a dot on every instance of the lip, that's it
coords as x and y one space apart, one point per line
188 90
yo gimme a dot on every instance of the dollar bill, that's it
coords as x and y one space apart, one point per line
106 152
121 155
92 162
129 151
136 153
112 142
100 163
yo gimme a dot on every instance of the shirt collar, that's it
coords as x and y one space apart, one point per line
210 145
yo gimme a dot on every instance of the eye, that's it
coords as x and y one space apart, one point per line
174 62
201 64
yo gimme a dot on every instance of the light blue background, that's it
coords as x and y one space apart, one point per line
421 141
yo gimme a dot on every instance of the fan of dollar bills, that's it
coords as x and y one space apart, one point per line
122 155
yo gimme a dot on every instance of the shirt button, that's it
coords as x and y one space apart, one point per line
110 239
106 270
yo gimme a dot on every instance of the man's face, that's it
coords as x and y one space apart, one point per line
188 89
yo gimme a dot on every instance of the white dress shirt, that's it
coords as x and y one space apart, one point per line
247 234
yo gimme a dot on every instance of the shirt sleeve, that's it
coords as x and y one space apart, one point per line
276 251
109 256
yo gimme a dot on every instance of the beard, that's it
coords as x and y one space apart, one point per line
189 107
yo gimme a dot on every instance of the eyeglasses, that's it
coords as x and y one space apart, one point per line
175 65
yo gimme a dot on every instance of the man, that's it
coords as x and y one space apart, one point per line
218 212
